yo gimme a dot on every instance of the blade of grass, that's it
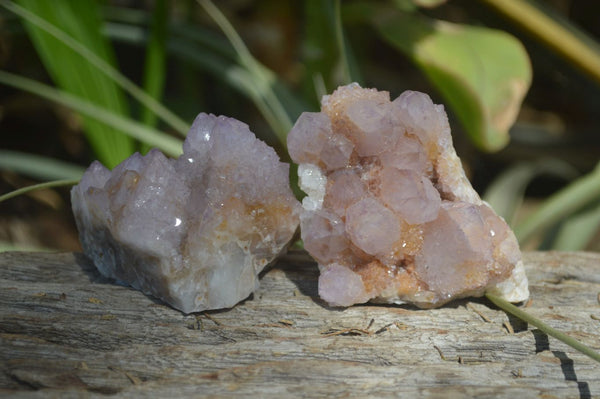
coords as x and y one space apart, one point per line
526 317
319 56
73 73
231 73
166 115
21 191
38 167
168 144
213 54
578 231
223 63
261 78
7 246
570 199
155 63
347 59
507 191
341 44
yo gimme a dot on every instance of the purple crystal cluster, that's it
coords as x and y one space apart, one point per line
390 215
194 231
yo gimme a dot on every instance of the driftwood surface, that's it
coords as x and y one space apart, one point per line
67 331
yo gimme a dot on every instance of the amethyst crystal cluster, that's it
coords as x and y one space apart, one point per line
390 215
194 231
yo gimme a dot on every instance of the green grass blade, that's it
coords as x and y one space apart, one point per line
213 54
72 72
320 49
567 201
38 167
166 143
341 44
349 64
507 191
577 231
155 63
100 65
7 246
526 317
229 72
24 190
261 78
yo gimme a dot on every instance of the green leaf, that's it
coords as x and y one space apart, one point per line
482 73
506 193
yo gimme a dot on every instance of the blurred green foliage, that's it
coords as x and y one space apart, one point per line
71 72
282 57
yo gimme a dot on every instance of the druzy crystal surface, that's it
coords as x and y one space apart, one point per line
193 231
390 215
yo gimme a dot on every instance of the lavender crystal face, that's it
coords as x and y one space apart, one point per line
193 231
390 215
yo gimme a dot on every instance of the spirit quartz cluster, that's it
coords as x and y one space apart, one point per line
194 231
390 216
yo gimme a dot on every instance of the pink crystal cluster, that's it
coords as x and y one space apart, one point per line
194 231
390 215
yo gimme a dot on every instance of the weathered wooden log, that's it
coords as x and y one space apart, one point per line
66 330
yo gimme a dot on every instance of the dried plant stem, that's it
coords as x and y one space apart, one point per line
526 317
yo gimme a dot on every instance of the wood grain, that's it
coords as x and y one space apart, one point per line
67 331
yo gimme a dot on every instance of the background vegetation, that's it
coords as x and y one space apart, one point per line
87 79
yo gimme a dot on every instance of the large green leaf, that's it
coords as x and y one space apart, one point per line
482 73
73 73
